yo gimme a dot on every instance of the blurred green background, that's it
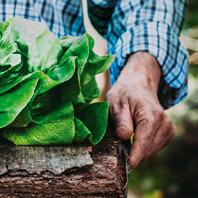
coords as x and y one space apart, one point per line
173 173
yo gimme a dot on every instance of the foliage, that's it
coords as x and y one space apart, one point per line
47 86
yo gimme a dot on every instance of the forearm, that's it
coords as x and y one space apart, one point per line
155 31
141 69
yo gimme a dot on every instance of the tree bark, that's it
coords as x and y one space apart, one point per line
76 171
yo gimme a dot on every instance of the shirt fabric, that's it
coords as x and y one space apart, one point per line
128 25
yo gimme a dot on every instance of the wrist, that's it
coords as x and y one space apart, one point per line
141 69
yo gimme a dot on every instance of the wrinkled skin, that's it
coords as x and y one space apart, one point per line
135 108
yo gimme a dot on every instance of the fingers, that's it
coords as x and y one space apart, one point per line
148 123
163 137
121 115
153 129
151 135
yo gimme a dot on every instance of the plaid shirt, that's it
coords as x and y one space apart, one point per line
128 25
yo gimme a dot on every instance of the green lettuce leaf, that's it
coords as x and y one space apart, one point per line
47 86
56 128
14 101
81 131
95 118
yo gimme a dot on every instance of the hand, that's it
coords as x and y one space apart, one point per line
134 106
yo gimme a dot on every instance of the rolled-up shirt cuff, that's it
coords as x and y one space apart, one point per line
161 41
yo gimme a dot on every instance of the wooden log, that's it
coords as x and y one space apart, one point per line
64 171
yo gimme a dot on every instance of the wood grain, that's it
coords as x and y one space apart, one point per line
50 172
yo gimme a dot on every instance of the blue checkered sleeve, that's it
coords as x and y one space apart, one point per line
129 26
152 26
61 17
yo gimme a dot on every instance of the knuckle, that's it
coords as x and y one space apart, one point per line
169 128
123 103
169 125
159 115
